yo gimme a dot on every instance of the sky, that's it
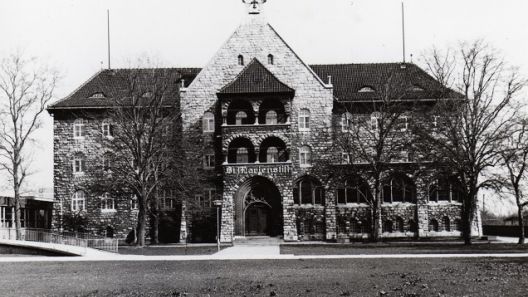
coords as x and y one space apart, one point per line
71 35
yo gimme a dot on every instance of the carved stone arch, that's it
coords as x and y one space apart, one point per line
261 138
228 140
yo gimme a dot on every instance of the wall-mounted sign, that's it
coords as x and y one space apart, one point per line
259 169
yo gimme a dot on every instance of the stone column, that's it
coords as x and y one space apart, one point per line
288 213
330 214
227 227
185 225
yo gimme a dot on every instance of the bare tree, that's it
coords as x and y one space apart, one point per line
467 134
373 142
25 90
514 158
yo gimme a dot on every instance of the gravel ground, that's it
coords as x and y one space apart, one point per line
353 277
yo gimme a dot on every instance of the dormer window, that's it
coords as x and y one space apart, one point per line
366 89
270 59
147 95
99 95
416 88
241 60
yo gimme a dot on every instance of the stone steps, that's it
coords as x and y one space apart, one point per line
257 240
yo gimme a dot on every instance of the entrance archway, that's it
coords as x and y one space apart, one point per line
258 208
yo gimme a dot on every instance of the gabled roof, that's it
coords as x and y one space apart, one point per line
255 79
349 79
106 85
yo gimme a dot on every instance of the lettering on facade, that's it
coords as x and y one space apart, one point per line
258 170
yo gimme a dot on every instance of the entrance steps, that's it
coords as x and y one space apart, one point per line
257 241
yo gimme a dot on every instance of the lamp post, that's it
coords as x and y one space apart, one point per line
218 205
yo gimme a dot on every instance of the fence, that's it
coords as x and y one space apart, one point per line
82 240
503 230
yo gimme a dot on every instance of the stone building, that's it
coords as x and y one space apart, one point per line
264 122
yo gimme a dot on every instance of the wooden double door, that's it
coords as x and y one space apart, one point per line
258 219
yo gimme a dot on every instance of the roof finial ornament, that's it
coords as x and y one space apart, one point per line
254 6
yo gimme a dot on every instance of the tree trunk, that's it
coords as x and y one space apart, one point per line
376 215
16 188
521 224
155 227
467 219
141 224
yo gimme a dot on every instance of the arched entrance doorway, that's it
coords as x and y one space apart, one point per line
258 208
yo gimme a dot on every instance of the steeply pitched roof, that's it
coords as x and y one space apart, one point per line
106 85
255 79
349 79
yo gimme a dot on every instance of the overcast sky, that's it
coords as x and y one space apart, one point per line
71 35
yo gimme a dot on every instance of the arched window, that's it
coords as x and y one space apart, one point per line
400 226
445 189
78 201
346 121
208 122
241 117
399 188
305 156
106 128
433 225
304 120
387 226
447 224
412 226
271 117
270 59
79 129
240 60
308 190
272 155
354 190
78 164
107 203
242 155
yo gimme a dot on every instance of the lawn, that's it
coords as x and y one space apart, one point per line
328 277
401 248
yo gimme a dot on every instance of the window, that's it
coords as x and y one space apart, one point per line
305 156
167 200
107 203
241 60
402 123
78 164
447 224
387 227
354 190
445 189
433 225
78 129
304 120
271 117
345 158
272 155
366 89
208 122
99 95
209 160
399 188
107 129
241 117
400 226
107 162
375 121
134 203
242 155
270 59
210 196
199 199
308 190
346 121
78 201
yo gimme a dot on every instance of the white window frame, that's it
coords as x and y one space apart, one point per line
209 160
210 196
78 201
106 129
346 121
269 120
239 119
345 158
275 156
106 201
208 122
304 119
78 164
305 156
79 129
